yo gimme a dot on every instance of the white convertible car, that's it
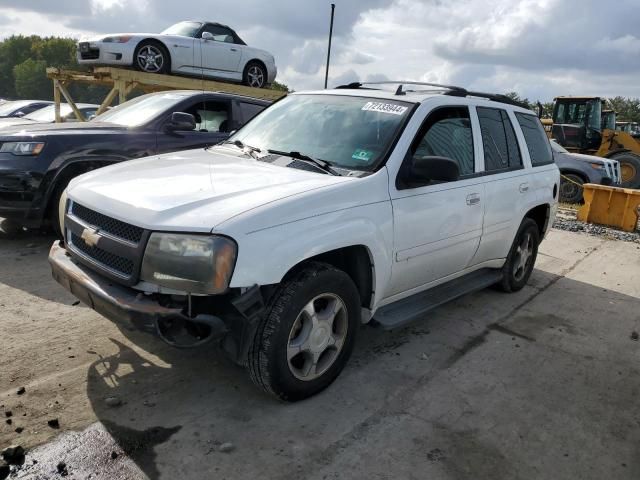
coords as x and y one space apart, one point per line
190 48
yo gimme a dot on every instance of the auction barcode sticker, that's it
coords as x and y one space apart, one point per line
384 108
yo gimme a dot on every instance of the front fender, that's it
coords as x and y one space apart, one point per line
265 256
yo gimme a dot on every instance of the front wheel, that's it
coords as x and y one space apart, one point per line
151 57
305 339
571 188
255 75
522 257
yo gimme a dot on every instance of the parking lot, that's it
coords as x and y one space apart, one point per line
539 384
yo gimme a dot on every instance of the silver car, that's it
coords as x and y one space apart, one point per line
192 48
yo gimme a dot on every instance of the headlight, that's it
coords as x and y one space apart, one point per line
191 263
120 39
22 148
597 166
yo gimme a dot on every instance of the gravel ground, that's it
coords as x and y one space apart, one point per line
566 220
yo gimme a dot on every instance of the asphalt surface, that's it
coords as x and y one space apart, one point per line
541 384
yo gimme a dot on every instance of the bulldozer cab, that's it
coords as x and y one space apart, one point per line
578 122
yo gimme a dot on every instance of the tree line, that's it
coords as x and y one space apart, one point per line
24 61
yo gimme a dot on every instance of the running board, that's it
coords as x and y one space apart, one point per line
412 308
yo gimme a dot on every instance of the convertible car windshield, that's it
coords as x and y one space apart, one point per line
349 132
184 29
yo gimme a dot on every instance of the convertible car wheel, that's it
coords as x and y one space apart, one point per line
255 75
151 57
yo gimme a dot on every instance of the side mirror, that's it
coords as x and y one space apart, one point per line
181 121
207 36
19 114
440 169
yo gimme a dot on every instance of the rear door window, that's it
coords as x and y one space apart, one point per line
537 141
501 151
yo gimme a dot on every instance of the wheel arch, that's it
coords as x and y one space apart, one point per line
355 260
577 172
540 214
67 172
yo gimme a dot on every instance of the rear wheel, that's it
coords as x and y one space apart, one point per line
522 257
307 335
629 168
571 188
255 75
151 57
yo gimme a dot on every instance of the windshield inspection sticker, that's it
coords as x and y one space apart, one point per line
362 155
384 108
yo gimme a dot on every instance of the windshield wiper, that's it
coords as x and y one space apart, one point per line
248 149
322 164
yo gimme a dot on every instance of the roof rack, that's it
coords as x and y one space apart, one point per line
450 90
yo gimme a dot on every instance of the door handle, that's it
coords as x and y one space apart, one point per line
473 199
234 49
524 187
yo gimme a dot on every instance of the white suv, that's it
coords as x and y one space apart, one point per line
329 209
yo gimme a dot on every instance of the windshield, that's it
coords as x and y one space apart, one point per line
140 110
556 147
349 132
184 29
48 114
10 107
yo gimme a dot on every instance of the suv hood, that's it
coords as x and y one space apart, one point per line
67 128
193 190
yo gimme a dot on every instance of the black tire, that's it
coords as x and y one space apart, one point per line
569 191
629 167
255 75
268 363
148 48
514 278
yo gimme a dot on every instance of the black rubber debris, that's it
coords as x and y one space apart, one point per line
53 423
21 390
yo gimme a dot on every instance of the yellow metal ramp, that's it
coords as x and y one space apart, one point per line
612 206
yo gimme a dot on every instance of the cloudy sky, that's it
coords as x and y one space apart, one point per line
539 48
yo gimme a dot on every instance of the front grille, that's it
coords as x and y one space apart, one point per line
114 249
106 259
103 223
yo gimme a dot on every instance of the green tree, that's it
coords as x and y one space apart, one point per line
281 87
31 80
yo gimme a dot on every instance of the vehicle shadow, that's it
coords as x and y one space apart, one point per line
179 406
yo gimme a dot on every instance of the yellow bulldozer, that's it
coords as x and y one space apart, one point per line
587 125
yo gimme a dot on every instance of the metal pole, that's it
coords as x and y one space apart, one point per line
326 75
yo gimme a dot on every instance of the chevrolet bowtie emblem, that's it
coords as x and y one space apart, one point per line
90 237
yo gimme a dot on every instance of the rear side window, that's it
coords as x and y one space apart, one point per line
537 141
447 133
501 151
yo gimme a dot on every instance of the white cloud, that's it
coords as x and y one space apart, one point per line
540 48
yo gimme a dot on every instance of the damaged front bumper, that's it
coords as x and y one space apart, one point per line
117 303
124 305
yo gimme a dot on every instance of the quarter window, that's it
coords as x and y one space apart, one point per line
447 133
537 141
501 150
250 110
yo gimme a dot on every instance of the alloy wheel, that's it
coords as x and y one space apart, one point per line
524 255
317 337
255 76
150 59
